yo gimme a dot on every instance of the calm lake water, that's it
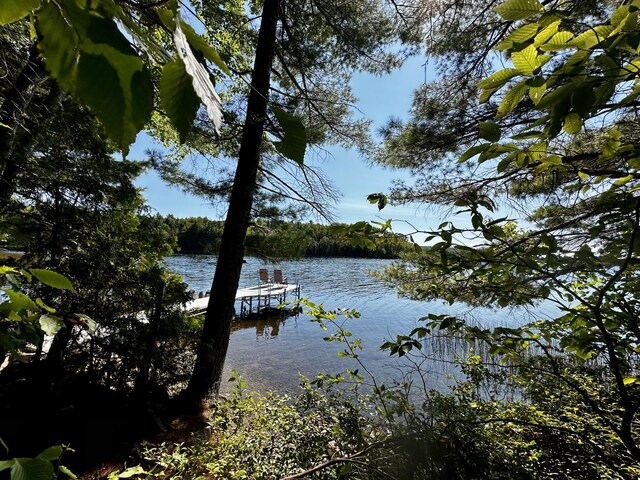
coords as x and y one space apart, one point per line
269 354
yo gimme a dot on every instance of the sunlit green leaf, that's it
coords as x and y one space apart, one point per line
67 472
573 123
536 93
201 79
623 181
200 44
53 279
498 79
557 42
13 10
546 33
45 307
592 37
519 35
20 301
525 60
619 15
518 9
50 325
512 99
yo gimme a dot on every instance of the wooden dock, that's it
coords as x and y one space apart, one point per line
259 297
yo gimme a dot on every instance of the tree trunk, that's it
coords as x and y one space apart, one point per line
141 385
17 100
212 350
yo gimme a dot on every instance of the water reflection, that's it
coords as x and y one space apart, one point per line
267 322
264 327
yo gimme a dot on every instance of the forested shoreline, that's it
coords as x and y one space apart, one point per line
278 240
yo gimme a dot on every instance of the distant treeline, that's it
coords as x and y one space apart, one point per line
276 240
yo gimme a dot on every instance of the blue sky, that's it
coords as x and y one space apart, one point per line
379 98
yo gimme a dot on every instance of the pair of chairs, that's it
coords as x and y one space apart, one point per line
277 276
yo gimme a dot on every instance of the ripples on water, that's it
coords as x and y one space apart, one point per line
270 353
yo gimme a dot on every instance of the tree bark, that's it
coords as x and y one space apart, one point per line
142 380
17 100
212 350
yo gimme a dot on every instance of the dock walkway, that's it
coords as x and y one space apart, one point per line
259 296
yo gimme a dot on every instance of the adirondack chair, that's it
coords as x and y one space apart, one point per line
278 278
264 276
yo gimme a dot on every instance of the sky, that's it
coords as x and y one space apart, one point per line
379 98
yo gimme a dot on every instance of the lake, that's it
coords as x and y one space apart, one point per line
270 353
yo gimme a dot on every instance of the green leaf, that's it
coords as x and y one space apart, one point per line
582 100
525 60
53 279
512 10
379 198
67 472
512 99
294 144
487 94
51 454
623 181
31 469
4 464
19 301
557 42
619 15
592 37
50 325
546 33
58 43
200 44
633 66
473 151
498 79
519 35
13 10
506 162
90 57
178 97
629 380
490 131
201 80
43 306
130 472
117 88
573 123
555 96
536 93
